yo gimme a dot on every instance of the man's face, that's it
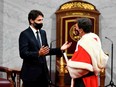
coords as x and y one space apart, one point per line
75 30
76 27
38 20
37 23
79 30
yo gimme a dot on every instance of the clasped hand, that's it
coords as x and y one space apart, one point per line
45 49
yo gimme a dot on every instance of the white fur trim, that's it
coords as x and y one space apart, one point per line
76 73
93 47
80 65
78 69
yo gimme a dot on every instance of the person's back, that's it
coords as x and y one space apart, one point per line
85 63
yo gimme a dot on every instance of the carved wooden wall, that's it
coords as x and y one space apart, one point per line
65 20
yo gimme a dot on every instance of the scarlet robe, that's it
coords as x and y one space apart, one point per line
88 57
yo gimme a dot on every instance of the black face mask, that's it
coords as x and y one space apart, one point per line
38 25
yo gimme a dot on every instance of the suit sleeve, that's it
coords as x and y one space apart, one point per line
56 51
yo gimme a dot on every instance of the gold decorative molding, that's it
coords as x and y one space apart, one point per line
73 34
77 13
81 5
62 65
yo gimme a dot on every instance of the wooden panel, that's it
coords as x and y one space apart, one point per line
67 32
65 20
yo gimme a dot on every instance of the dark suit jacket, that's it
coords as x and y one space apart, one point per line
33 65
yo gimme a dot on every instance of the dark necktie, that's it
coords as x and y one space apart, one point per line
38 39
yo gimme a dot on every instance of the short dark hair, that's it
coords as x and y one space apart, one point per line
85 24
33 14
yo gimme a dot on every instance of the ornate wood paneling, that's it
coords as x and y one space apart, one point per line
65 20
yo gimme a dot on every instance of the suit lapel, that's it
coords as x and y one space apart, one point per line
33 38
